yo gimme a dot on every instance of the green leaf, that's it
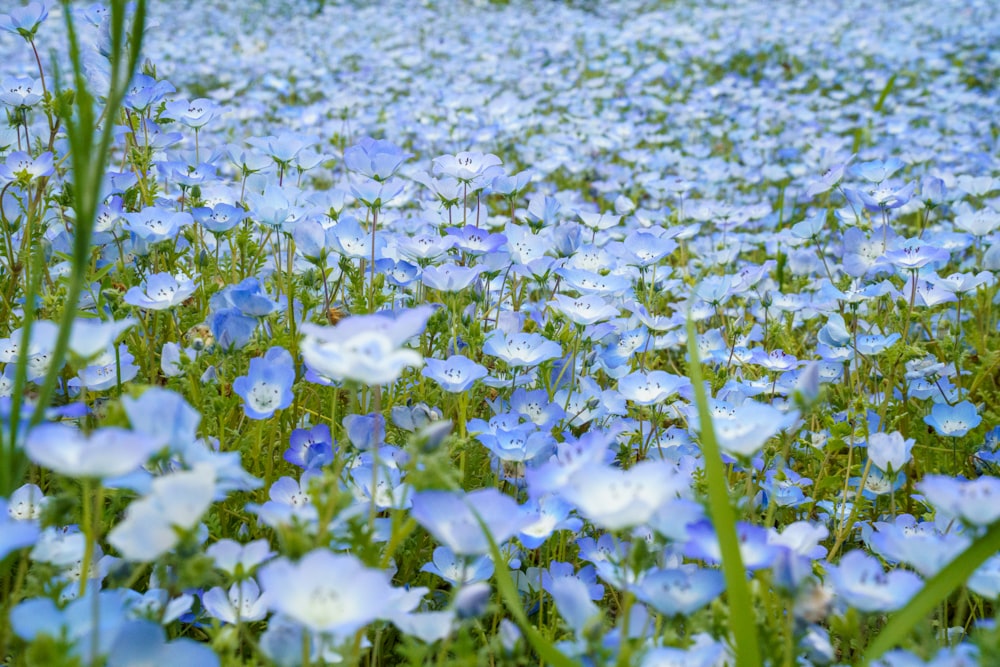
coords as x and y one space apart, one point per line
934 591
508 592
741 621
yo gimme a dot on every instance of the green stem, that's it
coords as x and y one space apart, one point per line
743 629
936 589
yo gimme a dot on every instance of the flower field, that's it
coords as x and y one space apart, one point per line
499 333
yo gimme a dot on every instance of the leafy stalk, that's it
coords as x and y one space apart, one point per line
90 149
508 592
937 588
742 627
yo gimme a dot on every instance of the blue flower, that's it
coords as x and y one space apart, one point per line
243 602
365 348
267 386
680 591
452 518
521 349
160 291
38 617
860 582
573 601
106 370
889 451
14 533
153 523
325 592
141 643
239 560
953 420
310 448
456 374
375 158
107 452
458 570
974 501
25 20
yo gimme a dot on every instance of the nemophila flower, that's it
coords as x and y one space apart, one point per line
290 502
475 241
652 388
422 247
521 442
859 581
472 600
574 604
985 580
449 277
310 448
106 370
26 503
242 603
158 603
267 386
961 283
549 514
173 355
974 501
220 218
382 485
613 498
21 91
921 545
195 114
22 168
912 254
366 432
154 224
877 171
239 560
883 196
142 642
830 178
375 158
953 420
153 523
743 429
160 291
106 452
594 283
376 194
704 652
15 532
585 310
680 591
976 221
521 349
90 337
365 348
248 296
24 20
230 328
469 167
889 451
327 592
755 546
456 374
459 570
39 617
144 91
453 518
274 208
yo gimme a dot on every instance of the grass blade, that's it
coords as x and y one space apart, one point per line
742 626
